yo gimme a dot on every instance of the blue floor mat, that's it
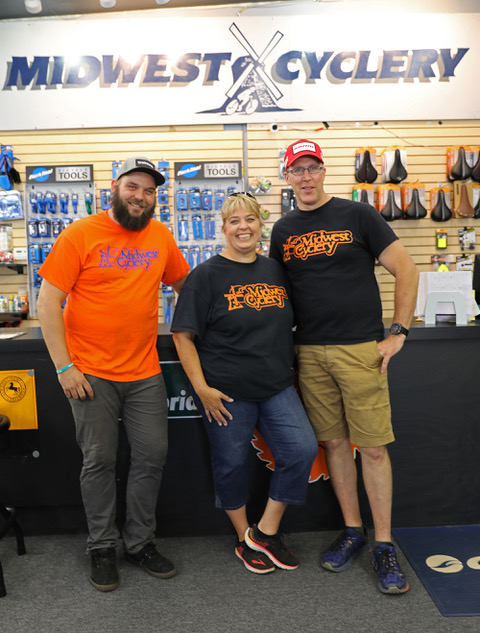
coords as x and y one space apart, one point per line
447 561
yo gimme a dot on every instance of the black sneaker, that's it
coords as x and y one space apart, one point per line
151 559
104 573
256 562
273 547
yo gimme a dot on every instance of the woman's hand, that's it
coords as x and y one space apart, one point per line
212 400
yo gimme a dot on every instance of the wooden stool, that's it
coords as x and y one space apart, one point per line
10 517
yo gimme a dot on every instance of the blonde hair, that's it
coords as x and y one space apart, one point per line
243 201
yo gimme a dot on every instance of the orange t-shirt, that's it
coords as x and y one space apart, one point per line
112 277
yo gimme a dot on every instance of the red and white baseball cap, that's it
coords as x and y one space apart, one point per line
302 148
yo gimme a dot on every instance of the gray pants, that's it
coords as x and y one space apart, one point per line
142 406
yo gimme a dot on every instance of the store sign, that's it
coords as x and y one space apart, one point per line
301 68
208 171
179 399
60 174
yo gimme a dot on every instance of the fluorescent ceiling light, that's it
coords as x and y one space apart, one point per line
33 6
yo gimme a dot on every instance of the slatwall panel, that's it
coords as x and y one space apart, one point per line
101 147
426 146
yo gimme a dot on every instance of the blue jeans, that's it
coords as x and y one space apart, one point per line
284 425
142 406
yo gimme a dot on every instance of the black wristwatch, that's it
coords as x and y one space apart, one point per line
397 328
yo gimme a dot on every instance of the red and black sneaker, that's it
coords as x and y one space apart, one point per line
253 561
271 546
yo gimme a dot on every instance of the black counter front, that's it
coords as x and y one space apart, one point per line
435 402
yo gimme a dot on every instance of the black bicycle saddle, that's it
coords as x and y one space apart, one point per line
364 197
476 170
391 211
441 212
461 170
366 171
477 209
415 209
398 171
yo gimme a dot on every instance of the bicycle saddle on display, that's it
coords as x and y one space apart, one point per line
398 171
477 209
366 172
464 209
415 209
461 170
364 197
441 212
391 211
476 170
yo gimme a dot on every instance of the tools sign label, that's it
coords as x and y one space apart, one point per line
52 174
221 170
205 170
80 173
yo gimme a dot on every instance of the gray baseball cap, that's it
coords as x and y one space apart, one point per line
140 163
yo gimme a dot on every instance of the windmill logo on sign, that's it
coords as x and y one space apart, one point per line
253 90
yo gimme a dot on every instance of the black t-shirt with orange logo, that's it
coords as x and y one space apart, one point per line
242 318
329 254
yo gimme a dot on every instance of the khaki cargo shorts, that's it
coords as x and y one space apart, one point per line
344 393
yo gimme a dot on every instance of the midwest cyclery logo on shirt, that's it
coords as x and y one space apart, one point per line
314 243
256 296
127 258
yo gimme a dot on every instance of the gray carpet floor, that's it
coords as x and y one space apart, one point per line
48 592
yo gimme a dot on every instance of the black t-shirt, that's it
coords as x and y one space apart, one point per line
329 254
242 318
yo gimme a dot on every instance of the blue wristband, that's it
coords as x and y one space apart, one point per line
60 371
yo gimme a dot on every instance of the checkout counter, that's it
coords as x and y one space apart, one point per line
435 397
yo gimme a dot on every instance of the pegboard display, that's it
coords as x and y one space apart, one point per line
55 196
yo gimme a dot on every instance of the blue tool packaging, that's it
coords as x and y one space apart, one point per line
183 228
40 202
219 199
197 227
162 195
182 200
207 200
44 227
51 201
194 198
164 214
33 228
105 199
63 198
194 258
35 254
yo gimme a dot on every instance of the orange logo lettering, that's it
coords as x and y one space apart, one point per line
314 243
256 296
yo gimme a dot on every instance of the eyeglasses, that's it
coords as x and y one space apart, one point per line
299 171
242 193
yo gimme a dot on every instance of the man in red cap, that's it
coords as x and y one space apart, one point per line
329 246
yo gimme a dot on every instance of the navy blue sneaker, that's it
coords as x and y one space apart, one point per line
391 578
345 549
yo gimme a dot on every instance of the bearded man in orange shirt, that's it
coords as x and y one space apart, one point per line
108 268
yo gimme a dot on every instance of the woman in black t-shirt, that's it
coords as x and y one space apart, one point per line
232 328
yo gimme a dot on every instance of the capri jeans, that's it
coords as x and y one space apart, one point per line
283 423
142 407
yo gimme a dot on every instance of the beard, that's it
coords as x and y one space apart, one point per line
123 216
